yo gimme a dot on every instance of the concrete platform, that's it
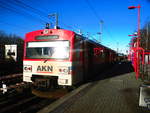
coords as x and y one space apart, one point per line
119 94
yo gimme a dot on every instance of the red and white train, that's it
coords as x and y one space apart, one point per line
57 57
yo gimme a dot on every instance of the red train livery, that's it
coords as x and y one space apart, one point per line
57 57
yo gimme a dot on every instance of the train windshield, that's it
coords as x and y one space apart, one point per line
48 50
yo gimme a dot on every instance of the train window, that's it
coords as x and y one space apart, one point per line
48 50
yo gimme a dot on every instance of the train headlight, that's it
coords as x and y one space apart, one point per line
27 68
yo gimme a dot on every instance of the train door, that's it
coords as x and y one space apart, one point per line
88 59
85 60
77 60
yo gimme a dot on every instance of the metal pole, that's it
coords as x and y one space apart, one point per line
139 34
147 37
138 41
117 47
80 32
101 30
56 24
56 19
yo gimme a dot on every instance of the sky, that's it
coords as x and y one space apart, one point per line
22 16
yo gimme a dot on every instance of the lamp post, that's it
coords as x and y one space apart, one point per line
138 33
138 41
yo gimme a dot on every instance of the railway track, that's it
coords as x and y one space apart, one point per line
24 102
19 97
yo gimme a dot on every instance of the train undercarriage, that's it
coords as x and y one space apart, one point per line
44 83
47 87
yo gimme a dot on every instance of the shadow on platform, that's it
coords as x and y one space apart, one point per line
117 69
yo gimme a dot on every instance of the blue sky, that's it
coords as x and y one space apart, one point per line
29 15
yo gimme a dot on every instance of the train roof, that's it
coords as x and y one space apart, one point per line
45 31
95 42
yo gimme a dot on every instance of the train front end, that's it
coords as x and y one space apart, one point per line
47 58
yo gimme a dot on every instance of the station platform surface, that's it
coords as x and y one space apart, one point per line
117 94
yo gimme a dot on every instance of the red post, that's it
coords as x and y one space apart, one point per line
137 52
138 43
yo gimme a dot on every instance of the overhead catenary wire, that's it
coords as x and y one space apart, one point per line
23 9
42 13
39 12
93 10
26 6
13 25
11 8
99 18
